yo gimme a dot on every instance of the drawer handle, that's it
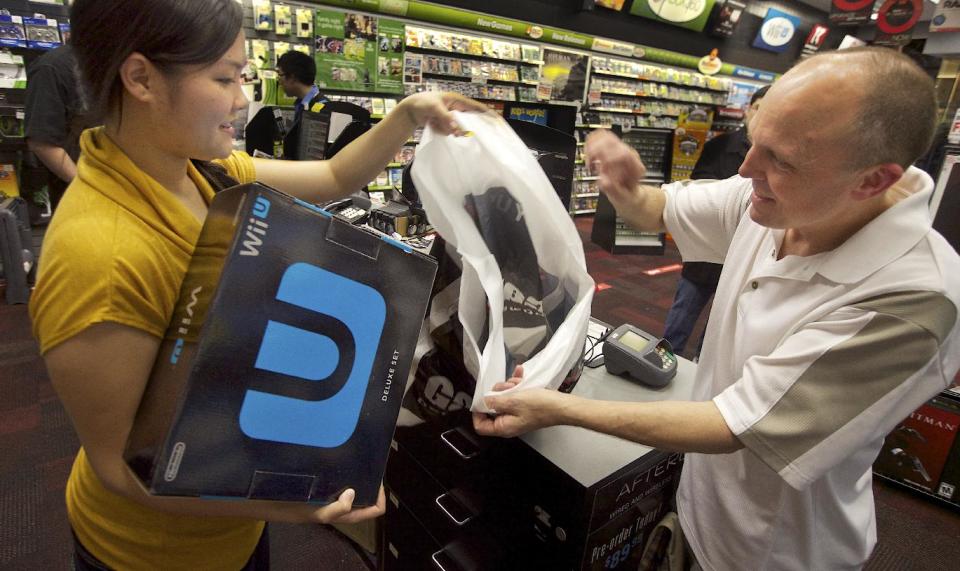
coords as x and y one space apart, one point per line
447 497
454 436
437 563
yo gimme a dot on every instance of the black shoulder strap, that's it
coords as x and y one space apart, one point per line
215 174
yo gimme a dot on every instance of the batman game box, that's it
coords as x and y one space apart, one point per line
281 374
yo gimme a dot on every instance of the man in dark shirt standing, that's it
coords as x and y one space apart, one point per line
54 116
296 74
720 159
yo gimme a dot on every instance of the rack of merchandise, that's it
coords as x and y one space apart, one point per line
25 36
647 95
609 230
479 67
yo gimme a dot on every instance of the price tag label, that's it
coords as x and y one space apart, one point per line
593 97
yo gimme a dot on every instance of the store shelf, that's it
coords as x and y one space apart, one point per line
586 194
586 178
657 97
633 240
631 112
594 126
636 77
440 52
585 211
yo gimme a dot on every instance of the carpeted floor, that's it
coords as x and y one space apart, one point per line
37 445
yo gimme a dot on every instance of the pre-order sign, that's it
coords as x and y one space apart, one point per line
690 14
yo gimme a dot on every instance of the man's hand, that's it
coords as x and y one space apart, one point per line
434 109
341 511
521 411
617 165
620 171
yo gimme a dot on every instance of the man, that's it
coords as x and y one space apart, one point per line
720 159
53 116
296 73
835 318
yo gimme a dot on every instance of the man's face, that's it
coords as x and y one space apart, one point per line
287 83
800 159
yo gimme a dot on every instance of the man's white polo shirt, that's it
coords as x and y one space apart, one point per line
811 361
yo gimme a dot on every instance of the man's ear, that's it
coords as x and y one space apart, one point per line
140 77
877 179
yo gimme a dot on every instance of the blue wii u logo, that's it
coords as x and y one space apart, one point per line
313 357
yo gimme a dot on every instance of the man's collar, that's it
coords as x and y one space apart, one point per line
305 101
887 237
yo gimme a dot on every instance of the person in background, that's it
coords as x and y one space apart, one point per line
54 116
164 75
297 74
720 159
835 317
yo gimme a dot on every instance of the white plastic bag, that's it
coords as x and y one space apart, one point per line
487 197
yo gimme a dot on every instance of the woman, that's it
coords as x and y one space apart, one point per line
165 75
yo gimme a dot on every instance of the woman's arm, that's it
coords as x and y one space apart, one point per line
100 376
360 161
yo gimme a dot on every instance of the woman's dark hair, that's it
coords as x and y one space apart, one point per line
170 33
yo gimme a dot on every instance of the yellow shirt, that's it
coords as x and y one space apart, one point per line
117 251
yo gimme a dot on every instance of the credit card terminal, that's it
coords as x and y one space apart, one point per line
639 356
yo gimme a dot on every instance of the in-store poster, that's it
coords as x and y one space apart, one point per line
349 55
896 20
727 18
390 56
777 31
412 68
850 12
690 14
565 73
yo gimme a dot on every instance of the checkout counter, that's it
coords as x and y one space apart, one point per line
557 498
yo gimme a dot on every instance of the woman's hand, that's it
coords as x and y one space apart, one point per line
433 109
341 511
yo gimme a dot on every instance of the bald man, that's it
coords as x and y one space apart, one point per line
835 316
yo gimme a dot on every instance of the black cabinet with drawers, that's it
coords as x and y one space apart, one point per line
558 498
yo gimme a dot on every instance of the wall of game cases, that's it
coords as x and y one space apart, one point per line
374 60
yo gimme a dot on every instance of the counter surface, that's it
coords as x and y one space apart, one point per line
590 456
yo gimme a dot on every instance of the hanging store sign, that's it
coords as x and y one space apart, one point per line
690 14
777 30
946 17
850 12
727 18
896 20
818 33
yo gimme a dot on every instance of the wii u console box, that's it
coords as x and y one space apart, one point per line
281 373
